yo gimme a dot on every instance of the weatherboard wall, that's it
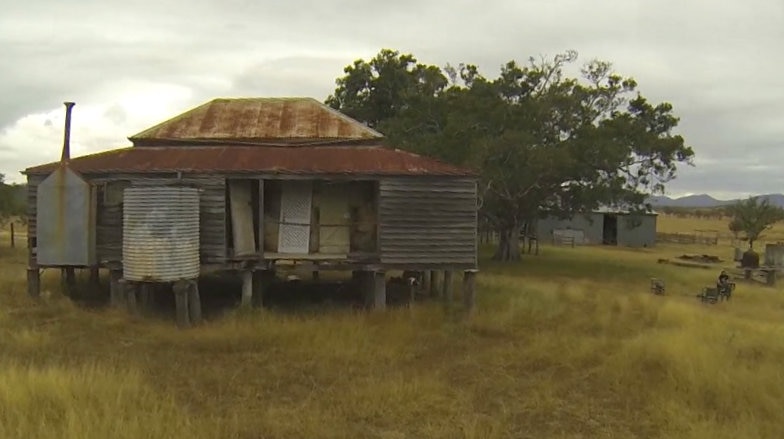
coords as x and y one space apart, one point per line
32 214
109 212
212 212
428 222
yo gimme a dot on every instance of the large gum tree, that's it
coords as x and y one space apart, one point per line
541 140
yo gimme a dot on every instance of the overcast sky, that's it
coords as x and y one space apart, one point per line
130 64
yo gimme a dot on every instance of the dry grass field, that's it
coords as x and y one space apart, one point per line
568 344
674 224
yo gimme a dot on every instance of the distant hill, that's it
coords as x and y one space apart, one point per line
704 200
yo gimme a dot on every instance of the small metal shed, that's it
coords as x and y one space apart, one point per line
603 226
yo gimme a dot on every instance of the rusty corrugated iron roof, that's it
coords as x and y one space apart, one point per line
258 121
315 160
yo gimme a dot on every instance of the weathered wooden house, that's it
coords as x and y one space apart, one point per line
240 184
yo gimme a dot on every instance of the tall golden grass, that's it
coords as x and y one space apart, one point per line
568 344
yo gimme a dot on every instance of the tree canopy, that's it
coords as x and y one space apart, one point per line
753 216
11 202
541 140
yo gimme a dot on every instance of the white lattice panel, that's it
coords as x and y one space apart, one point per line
294 239
295 207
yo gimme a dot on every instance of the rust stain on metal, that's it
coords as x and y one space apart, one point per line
61 189
258 120
360 160
66 154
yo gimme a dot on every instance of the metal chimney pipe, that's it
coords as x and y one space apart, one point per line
66 156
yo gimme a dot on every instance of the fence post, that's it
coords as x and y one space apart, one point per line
13 243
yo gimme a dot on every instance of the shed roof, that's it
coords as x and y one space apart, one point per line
258 121
621 211
308 160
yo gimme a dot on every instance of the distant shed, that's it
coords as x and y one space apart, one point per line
604 227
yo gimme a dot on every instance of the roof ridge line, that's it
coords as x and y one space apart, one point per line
228 116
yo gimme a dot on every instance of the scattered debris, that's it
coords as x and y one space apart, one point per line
705 259
682 263
693 261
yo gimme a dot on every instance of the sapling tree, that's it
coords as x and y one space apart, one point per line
753 216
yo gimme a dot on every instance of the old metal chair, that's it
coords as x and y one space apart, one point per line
725 290
657 286
709 295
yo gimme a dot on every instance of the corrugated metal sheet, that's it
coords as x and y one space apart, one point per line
591 227
636 230
632 230
258 120
65 226
351 160
774 255
428 222
160 233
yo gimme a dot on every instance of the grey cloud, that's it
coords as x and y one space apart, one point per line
290 76
728 179
719 66
116 114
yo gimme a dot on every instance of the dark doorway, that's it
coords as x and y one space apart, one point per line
610 230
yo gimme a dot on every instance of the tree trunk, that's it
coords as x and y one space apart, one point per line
508 245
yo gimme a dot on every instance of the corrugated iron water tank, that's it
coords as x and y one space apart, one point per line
160 233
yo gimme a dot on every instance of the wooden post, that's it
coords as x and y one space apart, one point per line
145 296
367 284
469 290
95 281
447 287
132 297
770 277
426 280
68 281
116 298
247 289
33 282
259 284
95 276
379 290
434 283
194 302
123 290
180 289
13 241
